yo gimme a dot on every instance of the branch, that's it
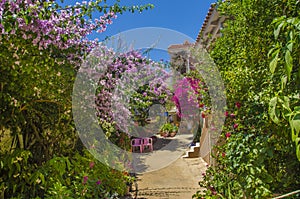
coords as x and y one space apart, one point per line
288 194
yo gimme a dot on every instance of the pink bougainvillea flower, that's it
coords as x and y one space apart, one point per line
235 126
85 178
92 164
228 134
226 113
213 190
232 115
238 104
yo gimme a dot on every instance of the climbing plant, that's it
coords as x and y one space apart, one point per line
284 106
255 157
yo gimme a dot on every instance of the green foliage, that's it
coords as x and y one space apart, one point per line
284 107
167 127
41 146
255 157
80 176
35 94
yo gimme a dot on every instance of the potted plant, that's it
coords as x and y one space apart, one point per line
174 131
166 129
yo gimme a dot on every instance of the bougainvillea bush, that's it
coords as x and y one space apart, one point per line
129 86
42 45
256 154
187 96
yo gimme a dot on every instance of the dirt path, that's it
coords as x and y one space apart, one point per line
179 180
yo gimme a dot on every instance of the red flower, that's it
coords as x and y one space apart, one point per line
238 104
228 134
232 115
223 154
92 164
226 113
235 126
85 178
202 115
214 192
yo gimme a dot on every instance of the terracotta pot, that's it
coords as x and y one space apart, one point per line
164 134
172 134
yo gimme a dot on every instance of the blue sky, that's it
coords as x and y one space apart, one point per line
183 16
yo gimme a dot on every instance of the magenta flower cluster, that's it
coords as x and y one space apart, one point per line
232 116
187 96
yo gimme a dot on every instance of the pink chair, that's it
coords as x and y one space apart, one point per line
136 143
147 142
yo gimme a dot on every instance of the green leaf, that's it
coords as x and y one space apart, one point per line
290 46
295 125
273 63
298 148
283 82
289 63
277 30
297 109
27 19
286 103
291 20
272 109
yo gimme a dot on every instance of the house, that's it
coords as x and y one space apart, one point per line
211 27
210 30
182 62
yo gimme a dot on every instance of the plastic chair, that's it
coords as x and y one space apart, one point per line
147 142
136 143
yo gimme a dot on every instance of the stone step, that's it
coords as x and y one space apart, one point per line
193 152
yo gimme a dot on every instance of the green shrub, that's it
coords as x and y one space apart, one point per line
80 176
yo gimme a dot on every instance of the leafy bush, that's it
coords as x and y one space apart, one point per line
255 156
80 176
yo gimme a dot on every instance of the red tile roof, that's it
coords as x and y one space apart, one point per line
211 9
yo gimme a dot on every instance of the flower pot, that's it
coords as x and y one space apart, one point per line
165 134
172 134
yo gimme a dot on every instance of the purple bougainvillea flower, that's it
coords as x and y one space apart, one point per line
98 182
